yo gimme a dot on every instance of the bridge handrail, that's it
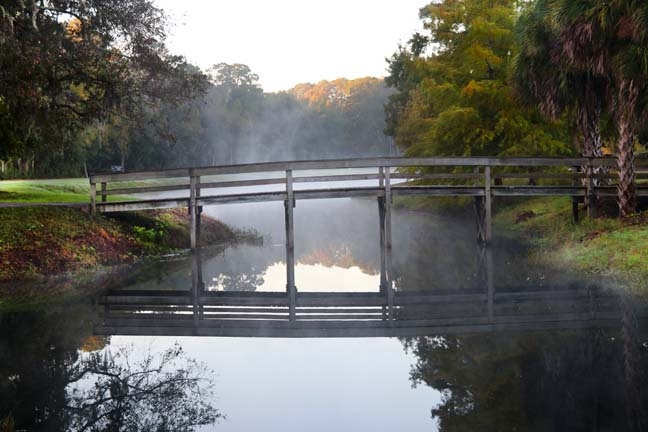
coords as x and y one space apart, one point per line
356 163
485 179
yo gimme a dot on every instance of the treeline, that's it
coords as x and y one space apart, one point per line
236 122
525 78
233 121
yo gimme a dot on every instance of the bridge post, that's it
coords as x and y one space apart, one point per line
193 214
488 206
93 197
490 284
197 287
289 205
387 236
381 222
103 190
591 192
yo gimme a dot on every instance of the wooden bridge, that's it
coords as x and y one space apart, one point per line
482 178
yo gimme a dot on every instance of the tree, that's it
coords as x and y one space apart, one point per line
235 101
64 65
545 76
346 118
458 100
609 41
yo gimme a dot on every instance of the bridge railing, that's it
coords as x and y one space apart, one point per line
454 171
583 179
478 177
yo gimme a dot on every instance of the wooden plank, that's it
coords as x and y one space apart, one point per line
242 198
341 177
347 192
121 206
193 212
147 189
488 205
93 198
243 183
540 176
438 190
44 204
436 176
140 175
353 163
538 191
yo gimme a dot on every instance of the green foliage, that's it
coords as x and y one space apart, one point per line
66 65
455 97
150 236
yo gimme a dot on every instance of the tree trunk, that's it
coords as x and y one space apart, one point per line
626 194
588 122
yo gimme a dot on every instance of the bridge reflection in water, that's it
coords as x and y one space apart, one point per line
385 313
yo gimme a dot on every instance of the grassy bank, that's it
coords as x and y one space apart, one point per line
38 243
606 247
59 190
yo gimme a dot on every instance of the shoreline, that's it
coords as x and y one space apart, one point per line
42 245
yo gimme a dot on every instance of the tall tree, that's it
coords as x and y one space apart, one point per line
457 100
543 75
66 64
235 100
609 40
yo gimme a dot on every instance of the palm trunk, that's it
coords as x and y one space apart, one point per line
588 122
626 194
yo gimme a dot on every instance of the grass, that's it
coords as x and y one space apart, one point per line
606 247
42 247
60 190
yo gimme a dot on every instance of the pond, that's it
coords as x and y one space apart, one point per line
469 338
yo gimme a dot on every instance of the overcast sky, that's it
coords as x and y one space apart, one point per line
287 42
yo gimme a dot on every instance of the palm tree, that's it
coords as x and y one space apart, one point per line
543 75
609 40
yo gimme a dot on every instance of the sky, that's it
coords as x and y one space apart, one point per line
287 42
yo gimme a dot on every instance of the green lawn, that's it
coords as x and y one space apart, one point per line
606 247
59 190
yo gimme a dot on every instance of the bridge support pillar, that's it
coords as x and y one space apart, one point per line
490 284
384 212
194 212
484 210
93 199
289 206
197 287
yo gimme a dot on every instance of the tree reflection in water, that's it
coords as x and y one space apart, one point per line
47 383
111 390
581 380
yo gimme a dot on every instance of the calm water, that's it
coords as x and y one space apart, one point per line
471 339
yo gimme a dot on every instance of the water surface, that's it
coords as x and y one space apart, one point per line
473 339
